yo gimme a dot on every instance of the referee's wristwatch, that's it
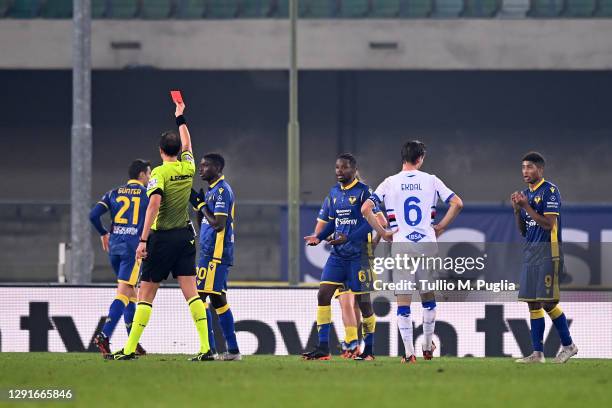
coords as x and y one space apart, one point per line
144 241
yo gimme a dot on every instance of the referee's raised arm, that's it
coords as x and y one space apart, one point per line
182 125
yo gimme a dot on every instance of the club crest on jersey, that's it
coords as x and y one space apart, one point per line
352 200
537 199
220 190
552 189
415 236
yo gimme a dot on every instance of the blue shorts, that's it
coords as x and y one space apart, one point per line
211 276
126 267
539 282
348 273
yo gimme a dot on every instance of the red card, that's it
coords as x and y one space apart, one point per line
176 96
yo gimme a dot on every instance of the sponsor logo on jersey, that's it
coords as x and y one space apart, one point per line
180 177
415 236
346 221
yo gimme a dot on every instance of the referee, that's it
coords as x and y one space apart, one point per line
167 242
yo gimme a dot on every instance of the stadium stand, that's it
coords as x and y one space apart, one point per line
385 8
604 8
99 8
416 8
355 9
481 8
122 9
56 9
221 9
514 8
24 9
4 7
156 9
447 8
310 9
321 9
254 8
546 8
191 9
579 8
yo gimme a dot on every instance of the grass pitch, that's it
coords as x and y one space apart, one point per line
265 381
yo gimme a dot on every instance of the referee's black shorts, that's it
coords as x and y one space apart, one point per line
169 251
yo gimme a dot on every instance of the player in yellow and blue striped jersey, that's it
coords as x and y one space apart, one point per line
127 205
537 211
216 213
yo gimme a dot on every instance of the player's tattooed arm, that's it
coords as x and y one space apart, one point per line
517 214
545 221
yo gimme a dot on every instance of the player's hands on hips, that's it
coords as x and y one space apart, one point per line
339 240
312 240
180 108
439 229
104 239
141 251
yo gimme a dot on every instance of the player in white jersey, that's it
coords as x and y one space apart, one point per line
409 197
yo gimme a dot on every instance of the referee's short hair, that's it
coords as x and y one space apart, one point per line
536 158
138 166
412 151
216 159
170 143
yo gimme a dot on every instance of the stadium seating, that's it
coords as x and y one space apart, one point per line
579 8
354 8
546 8
24 9
481 8
122 9
514 8
447 8
416 8
604 8
4 7
191 9
320 8
156 9
220 9
98 8
56 9
254 8
308 9
385 8
305 9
